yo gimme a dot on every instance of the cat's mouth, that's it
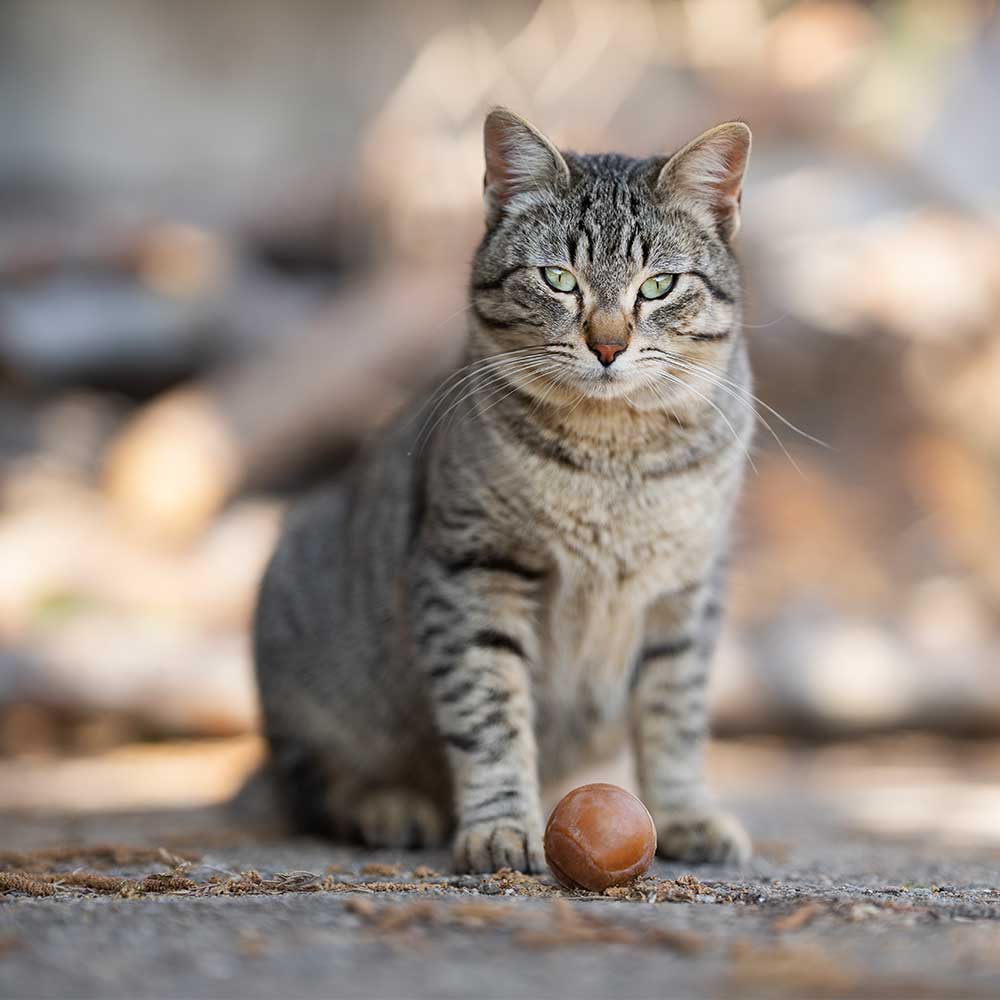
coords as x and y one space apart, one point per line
613 382
575 379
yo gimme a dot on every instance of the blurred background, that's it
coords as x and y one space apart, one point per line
234 238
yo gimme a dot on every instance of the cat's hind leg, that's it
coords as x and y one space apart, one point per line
307 788
318 801
397 817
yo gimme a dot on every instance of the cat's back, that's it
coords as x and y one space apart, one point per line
341 547
302 571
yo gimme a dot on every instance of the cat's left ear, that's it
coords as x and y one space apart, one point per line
709 170
518 159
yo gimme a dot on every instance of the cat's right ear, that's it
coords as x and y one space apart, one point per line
519 159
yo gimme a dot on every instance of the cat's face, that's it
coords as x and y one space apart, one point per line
608 277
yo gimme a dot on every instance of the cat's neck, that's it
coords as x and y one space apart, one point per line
604 435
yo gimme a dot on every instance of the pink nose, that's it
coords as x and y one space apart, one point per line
606 353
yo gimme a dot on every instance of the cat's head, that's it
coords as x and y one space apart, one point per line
609 276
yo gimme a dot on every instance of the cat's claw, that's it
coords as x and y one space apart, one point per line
503 843
701 835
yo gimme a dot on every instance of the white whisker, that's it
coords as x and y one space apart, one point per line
661 373
495 375
709 377
764 326
461 377
743 396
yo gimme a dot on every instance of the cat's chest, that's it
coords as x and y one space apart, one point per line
614 556
628 544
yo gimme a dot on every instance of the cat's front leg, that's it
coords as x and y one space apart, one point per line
477 649
670 730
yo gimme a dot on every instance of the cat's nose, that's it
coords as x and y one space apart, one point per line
606 353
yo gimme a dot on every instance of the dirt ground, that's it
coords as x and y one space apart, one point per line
841 900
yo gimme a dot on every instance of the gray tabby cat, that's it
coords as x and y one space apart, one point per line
497 592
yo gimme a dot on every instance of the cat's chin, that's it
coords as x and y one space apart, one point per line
607 386
599 389
570 393
631 391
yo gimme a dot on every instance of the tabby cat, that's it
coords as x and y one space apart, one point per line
500 589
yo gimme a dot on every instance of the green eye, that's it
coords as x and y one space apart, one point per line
657 286
559 278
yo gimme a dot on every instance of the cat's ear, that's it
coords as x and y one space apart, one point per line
518 159
709 170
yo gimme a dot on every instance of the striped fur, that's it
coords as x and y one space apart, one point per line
513 578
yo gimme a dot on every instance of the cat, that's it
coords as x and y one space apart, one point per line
506 587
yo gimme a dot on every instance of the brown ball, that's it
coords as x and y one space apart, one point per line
597 836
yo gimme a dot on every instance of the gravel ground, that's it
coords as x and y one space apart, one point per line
823 910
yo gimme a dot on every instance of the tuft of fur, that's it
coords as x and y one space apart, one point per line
529 570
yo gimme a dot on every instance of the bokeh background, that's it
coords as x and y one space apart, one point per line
234 239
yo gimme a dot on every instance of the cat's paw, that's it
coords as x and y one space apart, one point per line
392 817
704 834
496 844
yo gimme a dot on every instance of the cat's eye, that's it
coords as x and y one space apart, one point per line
559 278
657 286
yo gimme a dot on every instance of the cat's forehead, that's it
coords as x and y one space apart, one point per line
610 188
612 222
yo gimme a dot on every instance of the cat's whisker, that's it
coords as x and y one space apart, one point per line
715 406
697 371
649 382
777 415
542 369
517 472
707 482
677 359
579 399
764 326
469 372
756 399
462 374
494 375
487 381
531 373
543 399
495 382
488 359
465 371
496 395
743 396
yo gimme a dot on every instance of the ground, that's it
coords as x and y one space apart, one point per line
833 904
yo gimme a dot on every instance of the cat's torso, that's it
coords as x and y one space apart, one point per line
611 536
